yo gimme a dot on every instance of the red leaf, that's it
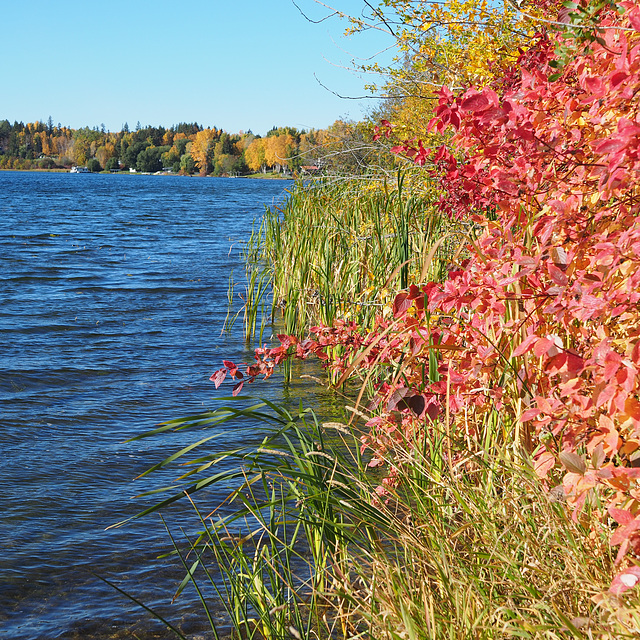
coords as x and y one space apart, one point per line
606 394
231 366
417 404
617 77
237 388
401 304
397 398
595 85
507 186
557 363
218 377
475 102
575 364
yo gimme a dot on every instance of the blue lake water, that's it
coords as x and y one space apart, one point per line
113 294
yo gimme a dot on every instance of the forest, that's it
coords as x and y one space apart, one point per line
186 149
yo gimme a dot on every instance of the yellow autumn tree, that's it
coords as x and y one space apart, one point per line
167 138
81 151
46 143
278 150
105 152
202 149
455 43
254 155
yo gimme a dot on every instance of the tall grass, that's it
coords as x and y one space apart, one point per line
257 308
468 546
340 250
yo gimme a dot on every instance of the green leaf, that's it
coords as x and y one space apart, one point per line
144 606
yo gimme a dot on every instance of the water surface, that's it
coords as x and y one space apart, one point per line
113 294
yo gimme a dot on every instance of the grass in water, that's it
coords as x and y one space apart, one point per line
310 542
307 547
341 250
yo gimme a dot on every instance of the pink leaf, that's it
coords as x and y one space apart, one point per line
544 464
530 414
218 377
634 20
525 345
625 580
621 516
610 145
542 346
557 275
237 388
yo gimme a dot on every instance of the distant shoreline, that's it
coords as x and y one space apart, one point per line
252 176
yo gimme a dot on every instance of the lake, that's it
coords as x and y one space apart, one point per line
113 292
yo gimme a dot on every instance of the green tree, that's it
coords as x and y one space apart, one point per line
187 164
132 152
150 159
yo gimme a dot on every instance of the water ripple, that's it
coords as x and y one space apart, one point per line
113 293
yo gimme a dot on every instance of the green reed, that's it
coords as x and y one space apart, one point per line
469 545
340 250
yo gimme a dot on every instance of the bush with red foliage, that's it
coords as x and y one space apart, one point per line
542 321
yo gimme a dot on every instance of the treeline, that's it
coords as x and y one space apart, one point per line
186 148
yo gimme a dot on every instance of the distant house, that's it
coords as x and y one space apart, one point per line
310 169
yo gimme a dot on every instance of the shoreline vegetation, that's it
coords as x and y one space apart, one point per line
252 176
185 149
477 315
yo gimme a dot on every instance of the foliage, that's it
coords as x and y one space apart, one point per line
94 165
303 546
537 330
202 148
455 43
150 159
189 148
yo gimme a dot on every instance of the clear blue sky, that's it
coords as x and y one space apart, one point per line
234 64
